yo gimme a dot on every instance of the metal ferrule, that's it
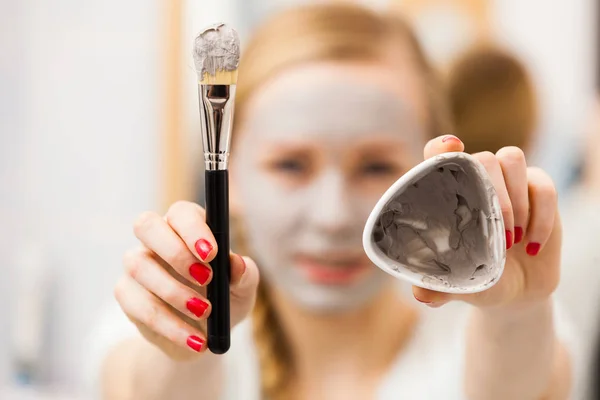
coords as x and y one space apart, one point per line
216 119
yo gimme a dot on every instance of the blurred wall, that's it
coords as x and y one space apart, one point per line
10 129
556 40
83 155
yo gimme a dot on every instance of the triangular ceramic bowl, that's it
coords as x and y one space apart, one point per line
440 227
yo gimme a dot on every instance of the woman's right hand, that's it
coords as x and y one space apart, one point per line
162 290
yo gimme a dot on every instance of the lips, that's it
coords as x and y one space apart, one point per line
332 270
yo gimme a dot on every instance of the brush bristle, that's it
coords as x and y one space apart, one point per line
217 55
219 78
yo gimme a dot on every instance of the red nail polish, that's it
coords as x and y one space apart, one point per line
533 248
196 306
509 239
200 272
451 137
195 343
518 234
203 247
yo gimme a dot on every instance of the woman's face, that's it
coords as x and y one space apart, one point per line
319 145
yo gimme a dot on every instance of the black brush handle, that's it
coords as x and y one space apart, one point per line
217 218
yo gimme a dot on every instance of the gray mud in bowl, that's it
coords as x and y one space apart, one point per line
445 225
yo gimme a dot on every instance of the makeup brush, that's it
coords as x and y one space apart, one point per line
216 56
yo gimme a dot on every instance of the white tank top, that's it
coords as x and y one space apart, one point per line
430 366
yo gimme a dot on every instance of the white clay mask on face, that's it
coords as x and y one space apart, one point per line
324 217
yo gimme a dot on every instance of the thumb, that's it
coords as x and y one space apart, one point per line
442 144
245 278
430 297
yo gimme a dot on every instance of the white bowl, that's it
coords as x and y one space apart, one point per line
440 227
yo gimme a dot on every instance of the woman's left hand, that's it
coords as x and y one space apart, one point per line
533 230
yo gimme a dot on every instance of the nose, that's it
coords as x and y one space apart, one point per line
331 211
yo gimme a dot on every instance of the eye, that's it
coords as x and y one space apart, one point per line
378 168
289 165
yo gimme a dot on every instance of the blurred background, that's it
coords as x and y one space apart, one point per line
99 122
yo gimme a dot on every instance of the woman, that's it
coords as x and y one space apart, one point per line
335 103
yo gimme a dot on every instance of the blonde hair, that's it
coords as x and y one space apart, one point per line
492 99
323 32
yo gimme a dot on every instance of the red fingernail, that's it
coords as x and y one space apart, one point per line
451 137
195 343
518 234
197 306
509 239
533 248
203 247
200 272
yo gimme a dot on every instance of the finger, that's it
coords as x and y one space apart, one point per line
238 268
492 166
442 144
243 292
145 270
189 222
245 287
154 232
514 168
140 305
543 202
